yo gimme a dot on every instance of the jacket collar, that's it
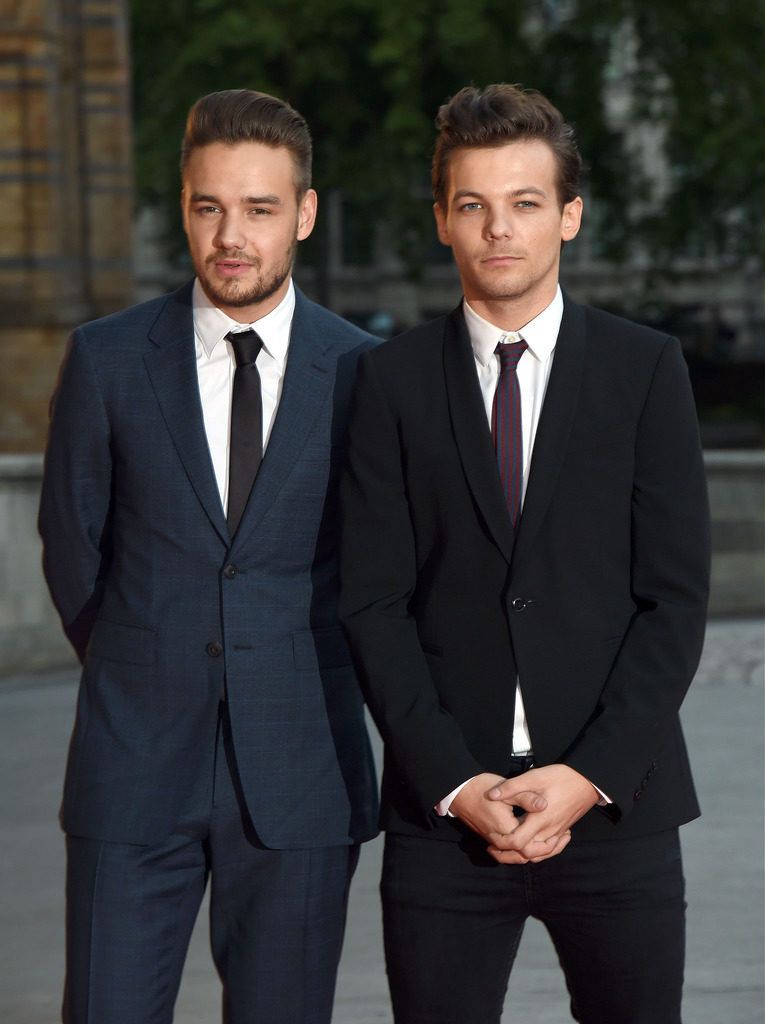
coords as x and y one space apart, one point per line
474 441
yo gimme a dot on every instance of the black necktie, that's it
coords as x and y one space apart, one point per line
246 438
506 425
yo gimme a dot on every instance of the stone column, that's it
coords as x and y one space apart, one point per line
65 192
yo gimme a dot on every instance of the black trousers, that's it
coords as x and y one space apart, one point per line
453 919
276 918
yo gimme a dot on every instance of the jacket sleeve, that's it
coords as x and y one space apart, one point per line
76 494
378 583
670 587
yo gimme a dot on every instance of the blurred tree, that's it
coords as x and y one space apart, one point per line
699 69
369 76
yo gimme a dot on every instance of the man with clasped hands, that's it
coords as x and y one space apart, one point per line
524 585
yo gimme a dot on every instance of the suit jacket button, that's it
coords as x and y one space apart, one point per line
230 572
214 649
518 604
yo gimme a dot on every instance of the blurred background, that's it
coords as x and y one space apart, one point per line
667 97
668 101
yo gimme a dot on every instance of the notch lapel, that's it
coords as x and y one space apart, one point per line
173 372
471 431
308 381
554 425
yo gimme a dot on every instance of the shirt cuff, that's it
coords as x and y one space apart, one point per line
604 799
442 807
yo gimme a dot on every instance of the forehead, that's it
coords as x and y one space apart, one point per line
513 165
219 166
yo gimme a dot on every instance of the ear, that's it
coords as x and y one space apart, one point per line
441 225
307 214
571 219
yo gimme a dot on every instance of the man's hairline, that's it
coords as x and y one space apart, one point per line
499 144
300 193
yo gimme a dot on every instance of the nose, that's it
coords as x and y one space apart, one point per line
229 234
498 223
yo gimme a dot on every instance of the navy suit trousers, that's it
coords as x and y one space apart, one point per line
276 917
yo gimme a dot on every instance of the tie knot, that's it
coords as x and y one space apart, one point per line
510 353
246 346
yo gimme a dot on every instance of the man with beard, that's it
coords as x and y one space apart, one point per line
188 519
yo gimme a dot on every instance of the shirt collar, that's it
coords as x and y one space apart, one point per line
540 334
211 324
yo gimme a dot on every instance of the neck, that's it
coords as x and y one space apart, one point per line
511 314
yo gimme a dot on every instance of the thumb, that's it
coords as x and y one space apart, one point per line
528 799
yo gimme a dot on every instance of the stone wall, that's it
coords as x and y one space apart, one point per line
30 633
31 637
737 497
66 194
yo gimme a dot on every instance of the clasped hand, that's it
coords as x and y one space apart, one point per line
551 799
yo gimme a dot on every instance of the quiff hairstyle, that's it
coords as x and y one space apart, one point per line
476 118
243 115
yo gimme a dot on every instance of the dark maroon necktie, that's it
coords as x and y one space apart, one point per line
506 425
246 437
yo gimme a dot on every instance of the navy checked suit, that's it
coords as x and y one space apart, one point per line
167 612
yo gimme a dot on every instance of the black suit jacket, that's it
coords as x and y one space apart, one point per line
598 601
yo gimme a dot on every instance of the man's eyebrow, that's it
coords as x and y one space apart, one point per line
529 190
464 193
471 193
267 200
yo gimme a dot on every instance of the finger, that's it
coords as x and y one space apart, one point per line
546 848
527 799
530 845
529 830
559 848
513 840
534 848
529 857
506 856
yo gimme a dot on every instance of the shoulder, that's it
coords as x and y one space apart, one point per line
335 329
418 346
134 324
618 334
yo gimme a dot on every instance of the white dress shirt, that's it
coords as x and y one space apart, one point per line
216 365
533 371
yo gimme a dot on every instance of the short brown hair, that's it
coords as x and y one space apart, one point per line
243 115
499 114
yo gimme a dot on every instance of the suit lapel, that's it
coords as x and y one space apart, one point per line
172 368
554 425
471 432
308 381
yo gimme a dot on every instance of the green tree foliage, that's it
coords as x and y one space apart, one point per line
369 76
703 64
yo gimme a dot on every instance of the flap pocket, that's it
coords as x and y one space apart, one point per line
115 641
325 648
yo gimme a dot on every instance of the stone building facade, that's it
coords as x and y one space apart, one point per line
66 196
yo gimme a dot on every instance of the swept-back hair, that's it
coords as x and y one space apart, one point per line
499 114
243 115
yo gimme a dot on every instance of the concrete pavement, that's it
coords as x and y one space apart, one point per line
723 716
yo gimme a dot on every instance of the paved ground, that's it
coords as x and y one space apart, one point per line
723 853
